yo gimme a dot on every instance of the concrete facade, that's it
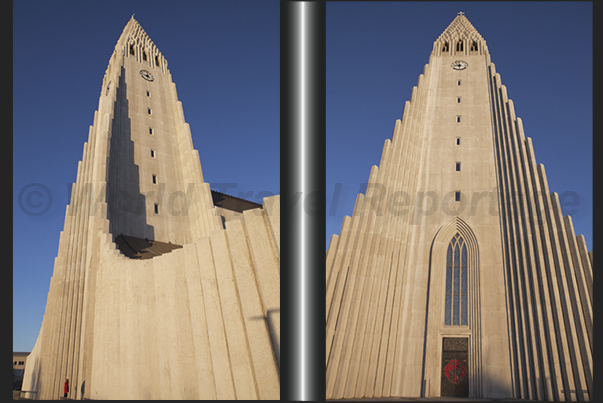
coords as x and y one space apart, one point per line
201 321
459 164
19 360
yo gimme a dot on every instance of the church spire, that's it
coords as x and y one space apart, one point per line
136 43
460 37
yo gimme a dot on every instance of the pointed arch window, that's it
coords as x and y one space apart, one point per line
459 46
132 49
144 56
455 311
473 45
445 47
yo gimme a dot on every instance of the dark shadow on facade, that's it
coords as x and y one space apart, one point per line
126 205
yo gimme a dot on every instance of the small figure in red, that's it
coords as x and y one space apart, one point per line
66 387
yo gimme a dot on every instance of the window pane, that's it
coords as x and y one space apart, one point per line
457 289
455 307
464 310
464 281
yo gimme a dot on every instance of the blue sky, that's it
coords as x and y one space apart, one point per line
224 59
542 50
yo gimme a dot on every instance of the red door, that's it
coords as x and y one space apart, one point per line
455 369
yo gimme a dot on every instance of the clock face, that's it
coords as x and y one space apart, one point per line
459 65
146 75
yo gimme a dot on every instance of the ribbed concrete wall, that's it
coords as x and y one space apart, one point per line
189 324
548 277
200 322
530 278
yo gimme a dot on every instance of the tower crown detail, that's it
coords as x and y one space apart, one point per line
460 38
134 42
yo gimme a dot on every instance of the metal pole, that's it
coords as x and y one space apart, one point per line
303 200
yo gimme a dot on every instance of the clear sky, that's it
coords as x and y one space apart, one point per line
542 50
224 59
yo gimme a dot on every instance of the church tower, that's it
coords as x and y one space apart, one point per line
457 274
157 292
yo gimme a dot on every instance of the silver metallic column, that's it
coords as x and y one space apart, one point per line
302 200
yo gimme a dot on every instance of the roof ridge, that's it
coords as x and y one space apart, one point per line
235 197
